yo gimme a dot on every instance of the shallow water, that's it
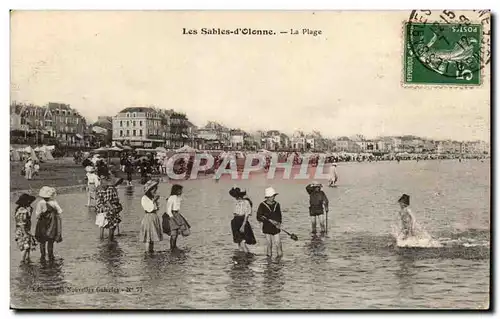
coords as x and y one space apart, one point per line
355 267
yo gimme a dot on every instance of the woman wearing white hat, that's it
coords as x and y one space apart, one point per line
269 214
49 226
92 183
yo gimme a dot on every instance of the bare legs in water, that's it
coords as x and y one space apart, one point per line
274 240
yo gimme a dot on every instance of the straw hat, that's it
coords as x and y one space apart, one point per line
47 192
25 200
405 199
270 192
237 192
150 185
315 183
89 169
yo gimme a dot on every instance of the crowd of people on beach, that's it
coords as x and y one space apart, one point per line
103 195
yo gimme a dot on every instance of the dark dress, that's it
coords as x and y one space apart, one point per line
272 212
49 226
247 235
316 201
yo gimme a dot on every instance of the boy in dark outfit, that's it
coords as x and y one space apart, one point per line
318 205
269 214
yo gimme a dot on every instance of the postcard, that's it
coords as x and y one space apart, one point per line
279 160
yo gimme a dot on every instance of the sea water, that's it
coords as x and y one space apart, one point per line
357 266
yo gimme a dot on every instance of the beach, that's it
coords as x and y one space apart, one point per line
355 266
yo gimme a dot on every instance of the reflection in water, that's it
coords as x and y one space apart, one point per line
354 268
129 193
273 283
405 275
242 284
111 255
50 277
316 247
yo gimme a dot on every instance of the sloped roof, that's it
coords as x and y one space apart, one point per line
137 109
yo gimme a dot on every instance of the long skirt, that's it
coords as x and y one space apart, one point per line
91 189
24 240
151 228
179 224
49 227
247 235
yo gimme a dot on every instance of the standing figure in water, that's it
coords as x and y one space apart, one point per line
269 214
151 231
108 208
406 216
333 176
318 205
25 240
93 183
178 224
49 225
240 226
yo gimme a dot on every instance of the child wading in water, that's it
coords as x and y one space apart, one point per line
240 226
49 224
407 219
151 231
177 223
108 208
269 214
318 205
25 240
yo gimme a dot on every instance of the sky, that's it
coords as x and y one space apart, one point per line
343 82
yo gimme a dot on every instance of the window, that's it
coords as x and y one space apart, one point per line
140 123
121 133
121 123
134 114
133 123
134 133
128 115
140 132
128 132
128 123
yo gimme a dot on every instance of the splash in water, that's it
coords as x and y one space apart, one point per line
420 239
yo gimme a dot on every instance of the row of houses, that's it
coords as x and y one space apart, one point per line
150 127
54 122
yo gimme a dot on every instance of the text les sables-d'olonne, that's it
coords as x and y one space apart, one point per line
250 31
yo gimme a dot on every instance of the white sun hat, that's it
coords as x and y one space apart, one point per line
270 192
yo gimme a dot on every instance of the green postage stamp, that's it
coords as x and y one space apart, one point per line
443 53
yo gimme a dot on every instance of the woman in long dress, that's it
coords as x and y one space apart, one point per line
151 230
25 240
49 224
178 224
240 226
92 183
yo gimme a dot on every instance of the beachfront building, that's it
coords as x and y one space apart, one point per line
275 140
237 139
209 140
298 141
478 147
140 127
54 123
214 136
101 132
